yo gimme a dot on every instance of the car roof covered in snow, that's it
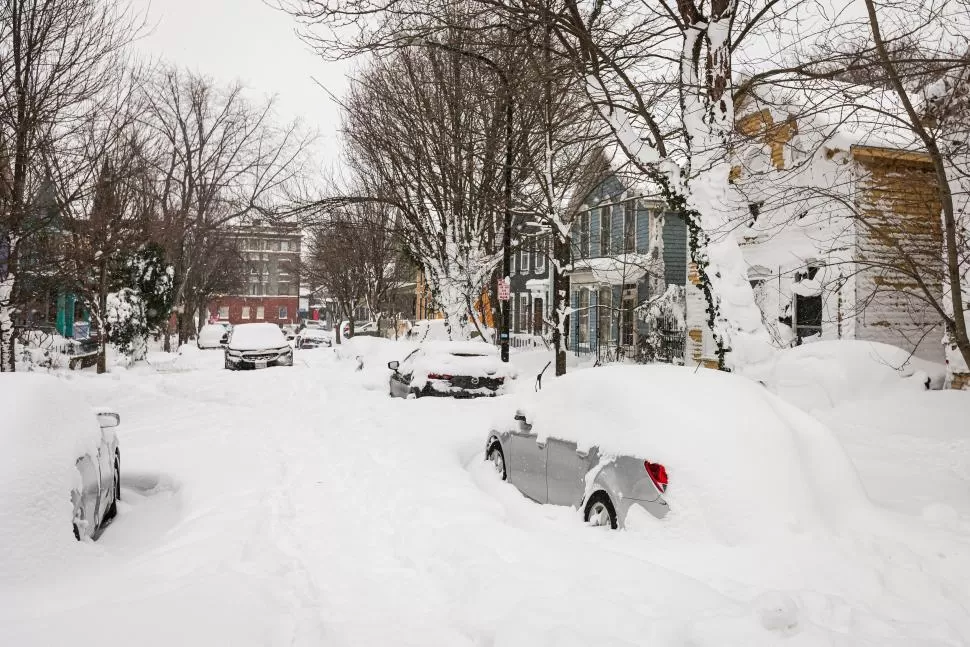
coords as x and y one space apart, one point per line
736 453
46 428
256 336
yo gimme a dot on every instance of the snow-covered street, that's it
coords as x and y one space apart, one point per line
304 506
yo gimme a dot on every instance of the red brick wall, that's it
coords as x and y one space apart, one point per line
271 306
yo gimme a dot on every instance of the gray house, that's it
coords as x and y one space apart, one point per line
530 285
627 250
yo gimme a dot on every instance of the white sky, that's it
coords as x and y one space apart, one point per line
247 40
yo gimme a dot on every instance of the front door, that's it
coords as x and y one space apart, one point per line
528 465
538 325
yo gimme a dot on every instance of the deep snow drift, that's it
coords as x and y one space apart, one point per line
303 506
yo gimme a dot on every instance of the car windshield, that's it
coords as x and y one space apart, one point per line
256 336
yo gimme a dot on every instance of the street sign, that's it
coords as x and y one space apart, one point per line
503 290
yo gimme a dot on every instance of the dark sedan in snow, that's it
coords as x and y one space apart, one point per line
450 369
257 345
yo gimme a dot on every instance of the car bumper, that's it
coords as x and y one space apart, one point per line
657 508
244 363
458 393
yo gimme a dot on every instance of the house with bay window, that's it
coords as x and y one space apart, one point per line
627 248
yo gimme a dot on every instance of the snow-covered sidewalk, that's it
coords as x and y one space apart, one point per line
304 507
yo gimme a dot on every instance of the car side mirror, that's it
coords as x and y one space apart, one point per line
106 419
393 365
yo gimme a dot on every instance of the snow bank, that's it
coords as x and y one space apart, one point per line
742 463
256 336
823 374
46 428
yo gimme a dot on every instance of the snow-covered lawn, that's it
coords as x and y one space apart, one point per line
303 506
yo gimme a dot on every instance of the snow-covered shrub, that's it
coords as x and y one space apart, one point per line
125 316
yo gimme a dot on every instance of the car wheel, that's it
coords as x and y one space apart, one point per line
600 511
112 511
497 458
78 514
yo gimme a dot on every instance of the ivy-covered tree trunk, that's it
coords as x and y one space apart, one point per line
560 302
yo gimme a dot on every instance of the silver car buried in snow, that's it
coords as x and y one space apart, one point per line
556 471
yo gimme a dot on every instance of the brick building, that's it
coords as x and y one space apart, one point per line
272 285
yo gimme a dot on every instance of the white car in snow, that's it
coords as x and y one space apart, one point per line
213 336
456 369
257 345
60 455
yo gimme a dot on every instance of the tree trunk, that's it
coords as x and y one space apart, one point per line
560 302
7 359
102 324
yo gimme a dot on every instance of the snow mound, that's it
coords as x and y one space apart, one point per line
742 463
46 428
823 374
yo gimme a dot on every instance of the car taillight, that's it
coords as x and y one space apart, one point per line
658 474
438 376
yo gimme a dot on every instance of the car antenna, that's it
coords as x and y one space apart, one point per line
539 376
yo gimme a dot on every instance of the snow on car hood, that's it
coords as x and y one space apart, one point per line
256 336
741 461
46 428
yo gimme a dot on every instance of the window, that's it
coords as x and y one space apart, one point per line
223 312
524 260
582 335
584 235
606 231
245 312
259 312
254 289
284 245
540 257
283 313
523 313
604 325
628 313
629 227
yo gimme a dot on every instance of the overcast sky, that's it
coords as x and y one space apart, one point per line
248 41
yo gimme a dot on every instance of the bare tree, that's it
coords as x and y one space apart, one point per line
219 159
56 58
426 131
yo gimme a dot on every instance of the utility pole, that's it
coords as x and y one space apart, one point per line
507 216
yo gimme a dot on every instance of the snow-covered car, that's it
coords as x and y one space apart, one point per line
313 338
257 345
60 461
213 336
289 331
425 330
740 459
456 369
